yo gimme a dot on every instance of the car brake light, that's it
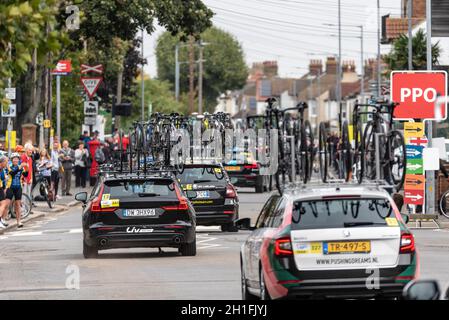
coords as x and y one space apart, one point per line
182 206
283 247
96 206
230 191
251 166
407 243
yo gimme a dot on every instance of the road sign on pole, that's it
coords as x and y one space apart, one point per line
90 108
95 69
416 92
63 68
413 130
91 85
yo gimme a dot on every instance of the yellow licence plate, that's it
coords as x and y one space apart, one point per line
347 247
233 168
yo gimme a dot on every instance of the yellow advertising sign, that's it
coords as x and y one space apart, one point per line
47 124
413 130
13 140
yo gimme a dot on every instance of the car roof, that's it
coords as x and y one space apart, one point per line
318 191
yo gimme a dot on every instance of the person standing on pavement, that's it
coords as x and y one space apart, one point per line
67 159
4 206
55 169
81 158
27 157
14 189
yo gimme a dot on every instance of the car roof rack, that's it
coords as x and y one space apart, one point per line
340 183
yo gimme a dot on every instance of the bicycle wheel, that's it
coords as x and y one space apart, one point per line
444 205
322 152
358 162
304 156
309 144
345 153
25 205
369 155
396 159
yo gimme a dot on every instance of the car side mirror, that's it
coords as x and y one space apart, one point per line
81 197
405 217
191 194
244 224
421 290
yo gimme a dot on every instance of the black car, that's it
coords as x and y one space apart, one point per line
128 211
216 201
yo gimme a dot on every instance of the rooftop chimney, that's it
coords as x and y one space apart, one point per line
315 67
331 65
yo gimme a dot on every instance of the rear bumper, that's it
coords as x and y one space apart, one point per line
134 236
243 180
217 216
336 289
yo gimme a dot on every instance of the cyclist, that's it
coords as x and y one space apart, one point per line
3 206
16 171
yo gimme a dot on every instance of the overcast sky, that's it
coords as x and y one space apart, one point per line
294 31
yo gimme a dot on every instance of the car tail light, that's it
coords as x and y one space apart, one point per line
407 243
251 166
230 191
283 247
96 206
182 206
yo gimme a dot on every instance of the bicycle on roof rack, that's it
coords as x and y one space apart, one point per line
334 150
298 129
390 150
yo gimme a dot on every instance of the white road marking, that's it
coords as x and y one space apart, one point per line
79 230
208 228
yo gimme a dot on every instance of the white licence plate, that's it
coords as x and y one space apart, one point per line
139 212
202 194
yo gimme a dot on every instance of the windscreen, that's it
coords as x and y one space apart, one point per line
205 175
341 213
137 189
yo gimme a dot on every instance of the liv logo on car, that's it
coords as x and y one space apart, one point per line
138 230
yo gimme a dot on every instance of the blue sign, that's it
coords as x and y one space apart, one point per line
414 152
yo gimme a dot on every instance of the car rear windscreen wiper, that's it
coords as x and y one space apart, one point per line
149 194
200 181
362 223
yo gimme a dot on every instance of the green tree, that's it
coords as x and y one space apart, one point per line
224 69
157 93
397 59
26 26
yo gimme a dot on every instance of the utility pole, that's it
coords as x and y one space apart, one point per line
191 74
430 176
339 58
362 68
9 118
410 36
177 72
58 107
200 80
379 79
143 84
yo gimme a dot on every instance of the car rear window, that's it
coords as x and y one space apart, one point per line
205 175
139 189
341 213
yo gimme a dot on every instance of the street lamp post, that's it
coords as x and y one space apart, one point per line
378 50
143 86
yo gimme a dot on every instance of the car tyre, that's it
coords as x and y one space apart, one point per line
264 295
89 252
259 184
245 294
188 249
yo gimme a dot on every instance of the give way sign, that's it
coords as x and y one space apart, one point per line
417 92
91 85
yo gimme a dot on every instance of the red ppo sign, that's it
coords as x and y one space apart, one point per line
63 67
416 92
